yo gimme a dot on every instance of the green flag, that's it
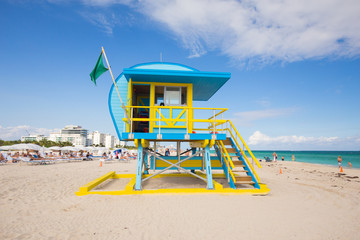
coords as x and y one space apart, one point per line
98 69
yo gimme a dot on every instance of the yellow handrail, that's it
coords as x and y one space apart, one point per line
228 162
225 109
247 148
244 155
177 120
179 107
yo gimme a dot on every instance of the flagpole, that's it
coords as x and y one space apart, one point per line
112 76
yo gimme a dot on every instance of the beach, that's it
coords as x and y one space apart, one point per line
306 201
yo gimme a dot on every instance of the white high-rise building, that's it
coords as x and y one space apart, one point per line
119 143
31 138
109 141
89 139
97 138
71 133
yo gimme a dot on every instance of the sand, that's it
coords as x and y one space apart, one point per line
306 201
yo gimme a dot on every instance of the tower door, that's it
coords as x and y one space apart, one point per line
141 97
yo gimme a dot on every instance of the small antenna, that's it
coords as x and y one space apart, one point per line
161 57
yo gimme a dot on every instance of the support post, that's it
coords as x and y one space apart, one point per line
209 178
193 151
139 167
146 166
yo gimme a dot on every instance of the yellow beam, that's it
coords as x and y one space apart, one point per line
205 143
212 143
96 182
144 143
136 142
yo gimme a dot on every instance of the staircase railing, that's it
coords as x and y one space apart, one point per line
244 156
232 131
228 161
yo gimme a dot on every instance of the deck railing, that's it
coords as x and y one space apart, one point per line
173 117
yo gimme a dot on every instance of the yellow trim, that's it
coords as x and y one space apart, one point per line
212 143
152 110
129 188
205 143
190 111
92 184
189 88
136 142
144 143
129 103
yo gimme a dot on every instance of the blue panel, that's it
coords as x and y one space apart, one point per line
165 113
176 113
170 130
116 112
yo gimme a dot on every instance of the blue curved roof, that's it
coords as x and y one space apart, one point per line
205 84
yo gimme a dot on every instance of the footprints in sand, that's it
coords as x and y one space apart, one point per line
72 208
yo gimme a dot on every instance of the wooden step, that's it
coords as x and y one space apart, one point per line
231 150
239 170
238 163
227 142
243 178
244 182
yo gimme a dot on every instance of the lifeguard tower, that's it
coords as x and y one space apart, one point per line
159 108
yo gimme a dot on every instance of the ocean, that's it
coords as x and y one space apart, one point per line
319 157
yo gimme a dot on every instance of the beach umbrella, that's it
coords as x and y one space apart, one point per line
4 148
56 148
90 148
69 148
25 146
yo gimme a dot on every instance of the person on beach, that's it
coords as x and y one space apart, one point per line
282 158
339 161
275 156
167 152
293 157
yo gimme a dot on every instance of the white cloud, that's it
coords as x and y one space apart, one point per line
258 31
104 22
16 132
246 118
105 3
263 141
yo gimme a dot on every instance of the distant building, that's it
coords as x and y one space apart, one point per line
109 141
71 133
119 143
96 138
79 137
31 138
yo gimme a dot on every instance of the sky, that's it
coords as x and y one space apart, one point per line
294 64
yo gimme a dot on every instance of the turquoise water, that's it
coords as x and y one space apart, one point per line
319 157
